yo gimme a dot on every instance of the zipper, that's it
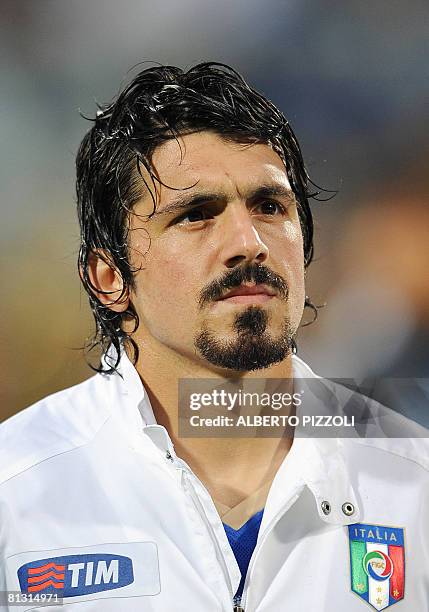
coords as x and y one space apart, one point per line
258 548
238 603
186 471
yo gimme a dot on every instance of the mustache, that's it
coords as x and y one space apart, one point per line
259 274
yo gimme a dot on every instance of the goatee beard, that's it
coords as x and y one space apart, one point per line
253 348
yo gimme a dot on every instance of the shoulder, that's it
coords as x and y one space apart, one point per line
56 424
412 451
383 431
379 432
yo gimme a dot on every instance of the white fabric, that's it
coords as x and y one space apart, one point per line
88 469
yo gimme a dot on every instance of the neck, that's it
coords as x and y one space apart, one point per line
231 468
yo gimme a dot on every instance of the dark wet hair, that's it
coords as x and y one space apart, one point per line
161 103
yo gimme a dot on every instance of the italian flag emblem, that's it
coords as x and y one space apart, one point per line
377 564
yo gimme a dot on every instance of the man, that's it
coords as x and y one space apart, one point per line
196 232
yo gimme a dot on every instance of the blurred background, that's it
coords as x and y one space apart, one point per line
351 77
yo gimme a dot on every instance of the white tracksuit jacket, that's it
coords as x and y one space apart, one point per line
94 504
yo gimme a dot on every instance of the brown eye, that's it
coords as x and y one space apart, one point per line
192 216
271 208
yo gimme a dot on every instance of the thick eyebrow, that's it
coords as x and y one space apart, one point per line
275 190
187 201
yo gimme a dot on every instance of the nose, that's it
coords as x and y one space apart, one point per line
240 240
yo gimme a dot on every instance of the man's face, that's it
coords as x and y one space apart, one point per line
220 264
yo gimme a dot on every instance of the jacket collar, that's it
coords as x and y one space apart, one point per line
318 463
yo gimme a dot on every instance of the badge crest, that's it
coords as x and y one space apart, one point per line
377 564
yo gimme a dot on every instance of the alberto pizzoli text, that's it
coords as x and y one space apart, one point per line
273 420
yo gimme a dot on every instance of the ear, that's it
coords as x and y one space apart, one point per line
106 280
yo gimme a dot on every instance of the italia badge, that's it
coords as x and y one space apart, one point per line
377 564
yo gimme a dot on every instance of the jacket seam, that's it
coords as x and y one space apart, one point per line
424 466
75 447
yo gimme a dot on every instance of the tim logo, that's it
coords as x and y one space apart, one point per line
74 575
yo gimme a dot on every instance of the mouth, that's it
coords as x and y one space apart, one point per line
248 294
